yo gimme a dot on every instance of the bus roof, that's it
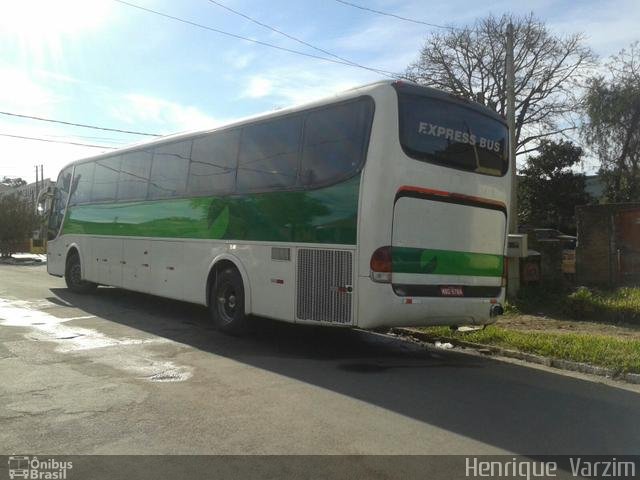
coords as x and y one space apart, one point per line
401 85
421 90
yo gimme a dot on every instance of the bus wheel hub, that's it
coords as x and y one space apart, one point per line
228 300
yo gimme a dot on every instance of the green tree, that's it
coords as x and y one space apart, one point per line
549 190
17 222
613 126
470 62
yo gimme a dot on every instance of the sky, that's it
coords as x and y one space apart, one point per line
104 63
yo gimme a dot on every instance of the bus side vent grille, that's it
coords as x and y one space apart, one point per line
280 253
324 286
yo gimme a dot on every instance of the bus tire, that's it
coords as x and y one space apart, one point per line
73 276
227 302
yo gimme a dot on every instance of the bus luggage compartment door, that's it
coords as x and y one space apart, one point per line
324 286
443 248
107 253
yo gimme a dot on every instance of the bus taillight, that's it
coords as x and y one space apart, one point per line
381 265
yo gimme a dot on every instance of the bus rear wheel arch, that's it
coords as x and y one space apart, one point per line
73 274
227 299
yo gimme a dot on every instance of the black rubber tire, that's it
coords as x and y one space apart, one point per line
73 276
226 302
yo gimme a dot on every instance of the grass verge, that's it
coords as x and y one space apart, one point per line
620 355
608 306
621 305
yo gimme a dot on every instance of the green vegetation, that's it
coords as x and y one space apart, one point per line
607 306
604 306
621 355
538 301
613 124
17 222
621 305
549 189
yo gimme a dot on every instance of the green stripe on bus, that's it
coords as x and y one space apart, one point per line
325 215
446 262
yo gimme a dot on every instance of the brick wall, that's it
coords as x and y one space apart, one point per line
596 262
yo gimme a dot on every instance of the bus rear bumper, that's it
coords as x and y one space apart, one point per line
379 307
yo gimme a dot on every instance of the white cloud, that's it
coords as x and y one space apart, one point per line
608 27
20 93
258 87
240 61
302 83
165 115
25 92
143 112
41 19
57 77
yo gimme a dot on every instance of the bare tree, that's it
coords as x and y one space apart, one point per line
470 62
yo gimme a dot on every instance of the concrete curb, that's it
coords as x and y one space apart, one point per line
526 357
21 261
24 259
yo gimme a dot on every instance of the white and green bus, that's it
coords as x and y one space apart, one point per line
385 205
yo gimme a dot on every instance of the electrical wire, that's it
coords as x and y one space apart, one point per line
398 17
240 37
31 117
106 139
39 139
303 42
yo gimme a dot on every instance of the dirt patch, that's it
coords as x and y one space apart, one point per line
534 323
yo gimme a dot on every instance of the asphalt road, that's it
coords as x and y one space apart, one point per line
119 372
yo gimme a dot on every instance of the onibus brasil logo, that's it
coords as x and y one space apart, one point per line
33 468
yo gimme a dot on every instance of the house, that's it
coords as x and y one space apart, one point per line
28 192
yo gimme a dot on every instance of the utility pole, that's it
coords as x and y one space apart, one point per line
42 228
511 122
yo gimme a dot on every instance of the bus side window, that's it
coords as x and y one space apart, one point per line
268 156
214 160
334 141
134 175
169 170
105 179
82 182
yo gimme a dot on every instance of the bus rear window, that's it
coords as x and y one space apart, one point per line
452 135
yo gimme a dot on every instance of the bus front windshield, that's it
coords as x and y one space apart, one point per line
452 135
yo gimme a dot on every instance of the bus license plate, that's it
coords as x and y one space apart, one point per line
448 291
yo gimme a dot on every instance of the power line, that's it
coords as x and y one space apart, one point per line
302 42
106 139
31 117
399 17
55 141
234 35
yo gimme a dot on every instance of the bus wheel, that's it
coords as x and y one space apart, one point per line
227 302
73 276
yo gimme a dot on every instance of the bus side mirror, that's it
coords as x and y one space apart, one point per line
44 201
